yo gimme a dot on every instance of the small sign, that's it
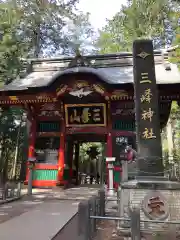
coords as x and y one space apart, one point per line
123 156
119 146
32 159
110 159
78 115
121 139
155 206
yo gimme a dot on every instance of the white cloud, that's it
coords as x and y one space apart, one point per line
100 10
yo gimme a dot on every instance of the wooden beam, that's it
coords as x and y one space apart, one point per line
22 99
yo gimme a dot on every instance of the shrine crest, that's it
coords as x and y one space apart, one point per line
155 206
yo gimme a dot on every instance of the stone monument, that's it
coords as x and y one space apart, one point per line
155 196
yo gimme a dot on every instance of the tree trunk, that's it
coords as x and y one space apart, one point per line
16 151
170 140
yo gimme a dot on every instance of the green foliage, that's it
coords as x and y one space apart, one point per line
79 34
176 54
11 48
42 23
85 149
140 19
8 139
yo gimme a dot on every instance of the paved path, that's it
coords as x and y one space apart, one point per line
42 223
41 216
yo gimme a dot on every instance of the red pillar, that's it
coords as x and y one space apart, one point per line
109 145
109 138
108 153
32 140
70 158
61 159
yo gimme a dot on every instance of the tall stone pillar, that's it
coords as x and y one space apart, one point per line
147 112
155 197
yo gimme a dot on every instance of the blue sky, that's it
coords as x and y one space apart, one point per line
100 10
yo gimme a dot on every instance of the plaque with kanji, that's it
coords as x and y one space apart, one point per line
155 206
78 115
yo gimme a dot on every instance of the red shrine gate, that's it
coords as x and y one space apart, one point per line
70 101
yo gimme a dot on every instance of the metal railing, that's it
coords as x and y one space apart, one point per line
10 190
92 211
95 206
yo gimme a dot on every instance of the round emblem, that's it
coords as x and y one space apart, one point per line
155 206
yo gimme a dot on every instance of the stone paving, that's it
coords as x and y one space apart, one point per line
46 211
41 222
13 209
16 208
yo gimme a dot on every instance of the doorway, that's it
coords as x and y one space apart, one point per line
87 160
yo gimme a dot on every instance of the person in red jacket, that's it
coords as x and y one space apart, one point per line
131 154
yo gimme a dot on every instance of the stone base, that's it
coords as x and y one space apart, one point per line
142 193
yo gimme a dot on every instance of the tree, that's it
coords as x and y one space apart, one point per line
45 28
79 33
42 23
11 49
175 58
139 19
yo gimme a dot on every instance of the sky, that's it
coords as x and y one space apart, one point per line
100 10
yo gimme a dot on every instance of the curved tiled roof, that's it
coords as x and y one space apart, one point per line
116 71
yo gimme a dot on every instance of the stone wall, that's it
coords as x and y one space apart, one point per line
134 198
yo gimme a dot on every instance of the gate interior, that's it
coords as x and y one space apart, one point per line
85 156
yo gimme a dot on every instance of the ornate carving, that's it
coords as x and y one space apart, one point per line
48 107
119 94
81 84
50 114
124 112
99 89
155 206
143 54
80 89
79 61
61 89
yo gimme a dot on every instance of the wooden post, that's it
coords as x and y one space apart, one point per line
135 224
61 159
147 110
84 221
109 145
69 156
32 139
31 149
109 138
76 161
124 171
108 154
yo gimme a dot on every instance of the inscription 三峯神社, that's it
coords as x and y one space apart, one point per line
147 112
145 78
148 133
85 115
146 96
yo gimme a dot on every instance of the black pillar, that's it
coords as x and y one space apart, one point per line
69 157
77 161
147 112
